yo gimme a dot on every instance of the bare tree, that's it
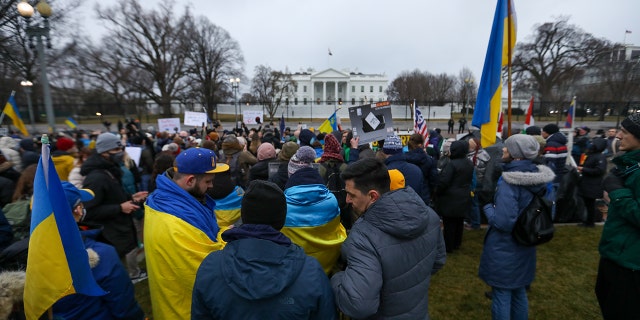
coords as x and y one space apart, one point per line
410 85
272 88
442 88
212 59
555 56
466 87
154 44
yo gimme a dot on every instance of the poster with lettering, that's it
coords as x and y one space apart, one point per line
195 119
169 124
249 116
371 122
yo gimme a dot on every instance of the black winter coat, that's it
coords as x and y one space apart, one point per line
593 170
453 194
104 179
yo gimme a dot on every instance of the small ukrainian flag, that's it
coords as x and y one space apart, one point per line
71 123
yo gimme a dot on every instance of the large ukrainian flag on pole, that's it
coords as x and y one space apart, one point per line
57 263
11 110
489 101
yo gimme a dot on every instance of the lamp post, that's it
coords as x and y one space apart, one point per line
26 85
40 31
234 86
469 84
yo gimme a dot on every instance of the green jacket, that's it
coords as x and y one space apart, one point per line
620 240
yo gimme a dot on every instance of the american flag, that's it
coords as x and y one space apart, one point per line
419 125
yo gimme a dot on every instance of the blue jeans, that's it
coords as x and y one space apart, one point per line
509 304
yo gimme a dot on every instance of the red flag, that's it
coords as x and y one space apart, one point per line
529 121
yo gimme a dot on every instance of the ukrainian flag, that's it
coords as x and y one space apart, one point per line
329 125
228 209
57 262
11 110
71 123
489 101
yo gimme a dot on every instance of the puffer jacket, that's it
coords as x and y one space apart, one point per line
397 227
8 148
412 174
620 241
453 198
103 178
556 152
260 274
593 170
111 276
428 166
504 263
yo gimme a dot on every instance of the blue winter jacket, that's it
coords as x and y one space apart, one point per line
260 274
111 276
504 263
412 173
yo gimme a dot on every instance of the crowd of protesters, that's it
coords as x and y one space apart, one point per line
301 224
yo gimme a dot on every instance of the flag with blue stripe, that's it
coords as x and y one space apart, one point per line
71 123
489 101
11 110
57 262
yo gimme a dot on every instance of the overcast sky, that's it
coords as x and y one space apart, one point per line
377 36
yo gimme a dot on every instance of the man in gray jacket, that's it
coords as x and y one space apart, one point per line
396 241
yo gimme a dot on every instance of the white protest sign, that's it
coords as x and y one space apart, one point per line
134 153
249 116
195 119
169 124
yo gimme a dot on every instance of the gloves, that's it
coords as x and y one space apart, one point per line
612 182
483 198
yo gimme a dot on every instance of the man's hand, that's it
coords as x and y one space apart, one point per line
128 207
354 142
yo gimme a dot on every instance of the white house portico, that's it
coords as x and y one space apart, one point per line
330 87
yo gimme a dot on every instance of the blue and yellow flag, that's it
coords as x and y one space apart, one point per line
329 125
71 123
57 263
571 114
11 110
489 101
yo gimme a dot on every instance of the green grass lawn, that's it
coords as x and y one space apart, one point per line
563 288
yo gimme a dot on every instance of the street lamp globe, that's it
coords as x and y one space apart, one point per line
44 9
25 9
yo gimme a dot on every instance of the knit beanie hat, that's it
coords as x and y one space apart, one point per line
107 141
551 128
331 149
266 151
533 131
632 124
397 179
306 137
64 144
392 144
303 158
288 150
264 203
522 146
213 136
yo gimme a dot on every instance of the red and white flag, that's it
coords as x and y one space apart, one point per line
419 125
529 121
500 124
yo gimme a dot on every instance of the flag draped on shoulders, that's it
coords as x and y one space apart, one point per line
57 263
570 114
329 125
11 110
419 125
489 100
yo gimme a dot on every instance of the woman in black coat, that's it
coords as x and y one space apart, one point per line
593 166
453 194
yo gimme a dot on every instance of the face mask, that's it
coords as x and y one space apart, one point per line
117 157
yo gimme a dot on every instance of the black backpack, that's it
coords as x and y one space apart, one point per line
335 184
534 225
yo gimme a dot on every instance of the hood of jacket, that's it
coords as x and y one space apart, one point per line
527 174
97 162
399 213
459 149
304 176
597 145
259 262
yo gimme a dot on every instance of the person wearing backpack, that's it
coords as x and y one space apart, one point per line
238 159
505 265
